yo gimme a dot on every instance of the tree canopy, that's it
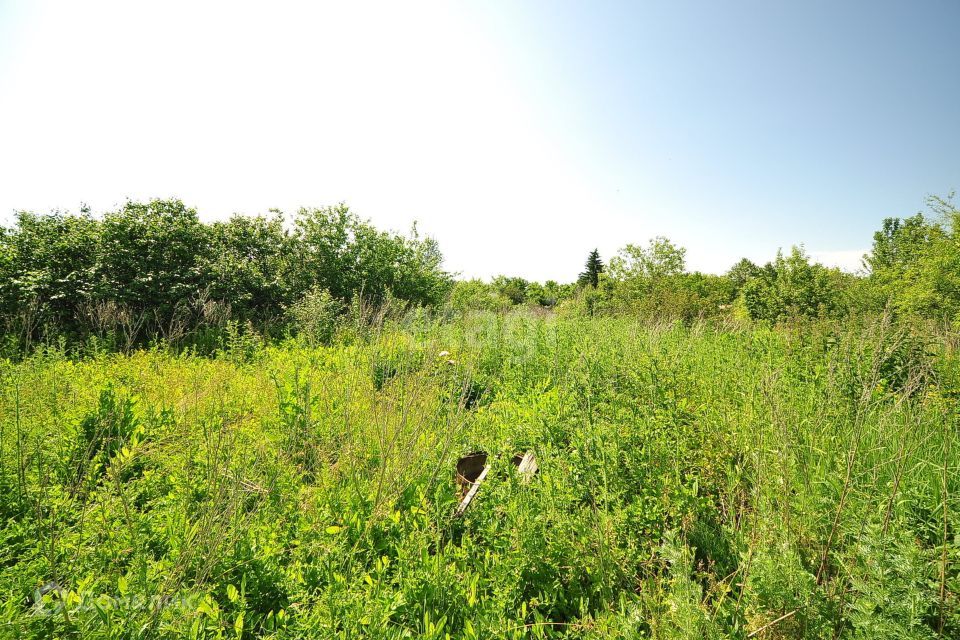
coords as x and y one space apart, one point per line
155 269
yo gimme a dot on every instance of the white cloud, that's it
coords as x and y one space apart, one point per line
846 259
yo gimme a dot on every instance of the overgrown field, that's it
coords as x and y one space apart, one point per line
799 482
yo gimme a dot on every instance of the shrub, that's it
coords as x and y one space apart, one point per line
791 286
314 317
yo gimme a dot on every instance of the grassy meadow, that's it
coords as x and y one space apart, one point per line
704 481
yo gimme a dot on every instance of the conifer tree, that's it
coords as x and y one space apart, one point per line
592 270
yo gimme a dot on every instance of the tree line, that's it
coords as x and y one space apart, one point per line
155 272
913 268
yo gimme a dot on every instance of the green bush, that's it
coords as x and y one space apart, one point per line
314 317
791 287
154 271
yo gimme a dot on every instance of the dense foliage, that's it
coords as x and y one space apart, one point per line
791 482
155 271
916 262
912 269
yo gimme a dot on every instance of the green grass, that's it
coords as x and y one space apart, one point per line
704 482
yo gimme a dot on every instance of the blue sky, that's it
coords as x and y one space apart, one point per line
519 134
